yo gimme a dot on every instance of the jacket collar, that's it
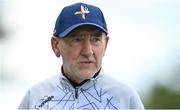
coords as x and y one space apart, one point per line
64 77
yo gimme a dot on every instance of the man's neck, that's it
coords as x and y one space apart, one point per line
74 84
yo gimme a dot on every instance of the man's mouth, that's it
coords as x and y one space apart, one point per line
87 62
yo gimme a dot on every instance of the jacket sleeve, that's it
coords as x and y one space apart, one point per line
135 102
25 102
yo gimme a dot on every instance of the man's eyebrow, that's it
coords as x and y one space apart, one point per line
97 34
75 35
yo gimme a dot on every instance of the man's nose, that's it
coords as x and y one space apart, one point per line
87 49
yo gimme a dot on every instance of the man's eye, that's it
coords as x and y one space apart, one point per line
96 39
76 40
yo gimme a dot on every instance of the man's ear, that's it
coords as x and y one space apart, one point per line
106 43
107 40
54 44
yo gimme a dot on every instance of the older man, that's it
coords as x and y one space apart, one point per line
80 38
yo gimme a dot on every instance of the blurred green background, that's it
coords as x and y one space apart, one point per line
163 98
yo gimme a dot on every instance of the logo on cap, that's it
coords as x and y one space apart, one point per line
83 11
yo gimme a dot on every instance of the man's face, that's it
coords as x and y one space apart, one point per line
82 51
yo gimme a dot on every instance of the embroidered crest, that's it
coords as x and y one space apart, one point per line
83 11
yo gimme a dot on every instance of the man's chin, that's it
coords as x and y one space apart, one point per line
87 74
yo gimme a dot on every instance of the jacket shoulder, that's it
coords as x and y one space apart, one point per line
123 92
39 90
111 84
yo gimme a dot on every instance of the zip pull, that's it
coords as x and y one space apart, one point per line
76 92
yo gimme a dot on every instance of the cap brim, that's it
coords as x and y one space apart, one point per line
68 30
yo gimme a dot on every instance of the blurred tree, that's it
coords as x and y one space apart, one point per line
163 98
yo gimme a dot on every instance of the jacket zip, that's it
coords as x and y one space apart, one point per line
76 92
76 98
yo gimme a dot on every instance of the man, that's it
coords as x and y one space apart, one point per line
80 38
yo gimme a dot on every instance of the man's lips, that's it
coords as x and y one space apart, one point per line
86 62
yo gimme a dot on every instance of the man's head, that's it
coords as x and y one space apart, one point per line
82 43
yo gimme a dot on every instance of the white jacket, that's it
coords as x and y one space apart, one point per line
101 92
